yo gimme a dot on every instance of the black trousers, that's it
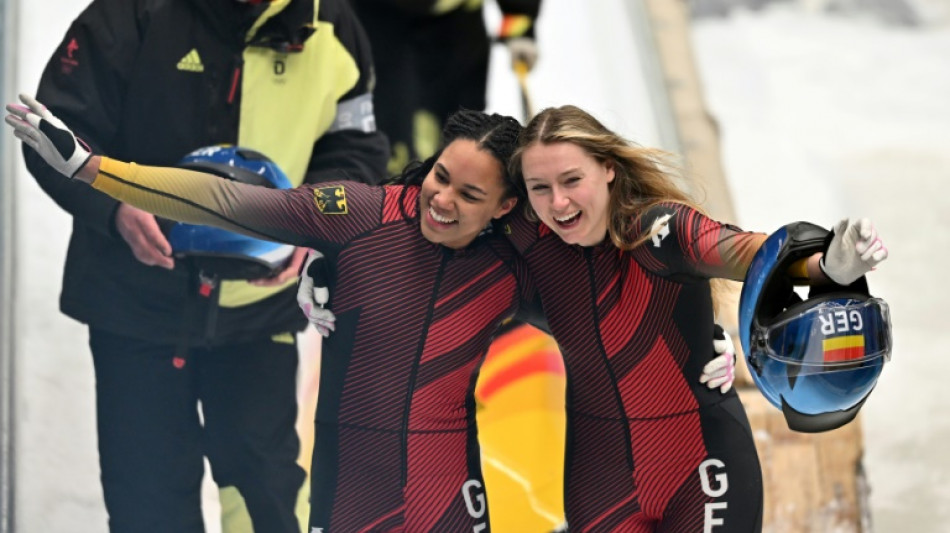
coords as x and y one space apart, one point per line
152 440
429 64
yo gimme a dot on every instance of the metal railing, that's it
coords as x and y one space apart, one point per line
7 271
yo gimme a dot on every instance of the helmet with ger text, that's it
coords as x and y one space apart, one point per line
816 358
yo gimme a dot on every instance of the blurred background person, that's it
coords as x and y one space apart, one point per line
431 58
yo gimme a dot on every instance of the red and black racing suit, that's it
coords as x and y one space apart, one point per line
649 448
395 444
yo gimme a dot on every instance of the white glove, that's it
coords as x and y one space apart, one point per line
720 372
37 127
522 50
854 251
311 299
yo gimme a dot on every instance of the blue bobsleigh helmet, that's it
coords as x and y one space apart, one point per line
815 359
223 253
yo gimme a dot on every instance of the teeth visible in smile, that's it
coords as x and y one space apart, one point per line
438 218
567 217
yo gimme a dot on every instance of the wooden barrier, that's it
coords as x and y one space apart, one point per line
812 482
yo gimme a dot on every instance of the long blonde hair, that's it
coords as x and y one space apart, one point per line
643 177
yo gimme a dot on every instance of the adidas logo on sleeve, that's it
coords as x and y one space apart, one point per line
191 62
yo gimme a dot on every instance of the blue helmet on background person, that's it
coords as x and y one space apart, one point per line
816 359
223 253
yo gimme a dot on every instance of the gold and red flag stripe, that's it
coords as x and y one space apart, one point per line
846 348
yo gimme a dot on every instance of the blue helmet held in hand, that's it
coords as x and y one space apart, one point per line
223 253
816 359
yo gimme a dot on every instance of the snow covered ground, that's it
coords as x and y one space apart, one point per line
822 116
827 116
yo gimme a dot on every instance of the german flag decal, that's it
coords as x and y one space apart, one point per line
846 348
330 200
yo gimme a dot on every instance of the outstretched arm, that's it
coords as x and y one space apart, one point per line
286 216
684 241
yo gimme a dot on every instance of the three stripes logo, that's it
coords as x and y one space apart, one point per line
191 62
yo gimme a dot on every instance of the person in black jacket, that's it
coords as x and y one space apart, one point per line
431 59
151 81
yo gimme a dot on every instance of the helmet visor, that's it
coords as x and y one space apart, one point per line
838 335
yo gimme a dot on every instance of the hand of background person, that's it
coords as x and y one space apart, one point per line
288 273
523 50
313 294
720 372
141 232
854 251
33 124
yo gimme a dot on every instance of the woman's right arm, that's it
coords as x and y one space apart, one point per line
292 216
286 216
694 244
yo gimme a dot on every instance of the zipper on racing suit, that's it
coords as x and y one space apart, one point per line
588 257
414 372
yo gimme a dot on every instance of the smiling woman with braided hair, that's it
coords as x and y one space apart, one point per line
419 283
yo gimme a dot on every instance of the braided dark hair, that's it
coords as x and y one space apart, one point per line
494 133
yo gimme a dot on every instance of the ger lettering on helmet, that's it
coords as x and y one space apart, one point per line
818 358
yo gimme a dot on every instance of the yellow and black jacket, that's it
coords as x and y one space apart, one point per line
151 80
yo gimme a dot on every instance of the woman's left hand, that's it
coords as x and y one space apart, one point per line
854 251
313 294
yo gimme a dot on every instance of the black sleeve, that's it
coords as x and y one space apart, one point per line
83 84
429 7
351 150
409 7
